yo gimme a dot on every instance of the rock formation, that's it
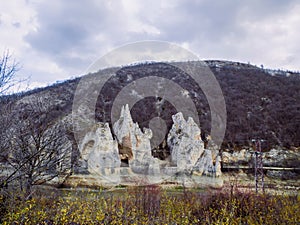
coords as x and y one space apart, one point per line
128 158
99 151
242 157
135 145
187 148
184 142
218 166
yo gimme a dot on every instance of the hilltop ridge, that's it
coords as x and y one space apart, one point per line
260 103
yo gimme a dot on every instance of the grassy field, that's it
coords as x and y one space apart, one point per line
150 205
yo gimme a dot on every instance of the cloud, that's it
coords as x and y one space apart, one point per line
67 36
143 51
260 32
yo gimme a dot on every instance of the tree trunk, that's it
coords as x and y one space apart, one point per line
28 188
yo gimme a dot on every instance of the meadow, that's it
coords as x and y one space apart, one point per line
150 205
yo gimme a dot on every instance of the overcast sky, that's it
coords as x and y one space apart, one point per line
55 40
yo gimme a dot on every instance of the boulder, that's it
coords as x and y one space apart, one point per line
242 157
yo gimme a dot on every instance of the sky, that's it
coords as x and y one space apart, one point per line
57 40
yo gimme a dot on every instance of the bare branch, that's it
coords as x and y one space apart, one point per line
38 148
8 69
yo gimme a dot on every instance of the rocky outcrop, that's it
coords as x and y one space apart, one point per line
242 157
273 158
204 164
187 148
99 151
184 142
277 163
135 144
218 166
127 159
282 158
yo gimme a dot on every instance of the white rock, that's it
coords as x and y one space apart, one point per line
204 165
237 157
187 149
136 144
218 171
100 151
184 141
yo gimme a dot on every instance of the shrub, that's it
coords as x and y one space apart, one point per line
151 205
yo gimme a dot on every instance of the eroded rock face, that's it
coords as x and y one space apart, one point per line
135 144
100 151
103 155
273 158
184 142
242 157
218 166
204 165
281 158
187 148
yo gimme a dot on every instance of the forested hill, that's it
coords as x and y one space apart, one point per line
260 103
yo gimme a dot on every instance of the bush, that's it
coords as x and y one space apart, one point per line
152 205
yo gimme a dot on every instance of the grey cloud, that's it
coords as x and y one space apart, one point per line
268 8
199 20
213 20
54 39
17 24
67 27
84 27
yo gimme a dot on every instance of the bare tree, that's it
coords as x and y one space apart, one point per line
8 69
5 123
39 150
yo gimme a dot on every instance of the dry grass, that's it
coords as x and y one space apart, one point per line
151 205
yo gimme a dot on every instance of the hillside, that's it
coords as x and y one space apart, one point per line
260 103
